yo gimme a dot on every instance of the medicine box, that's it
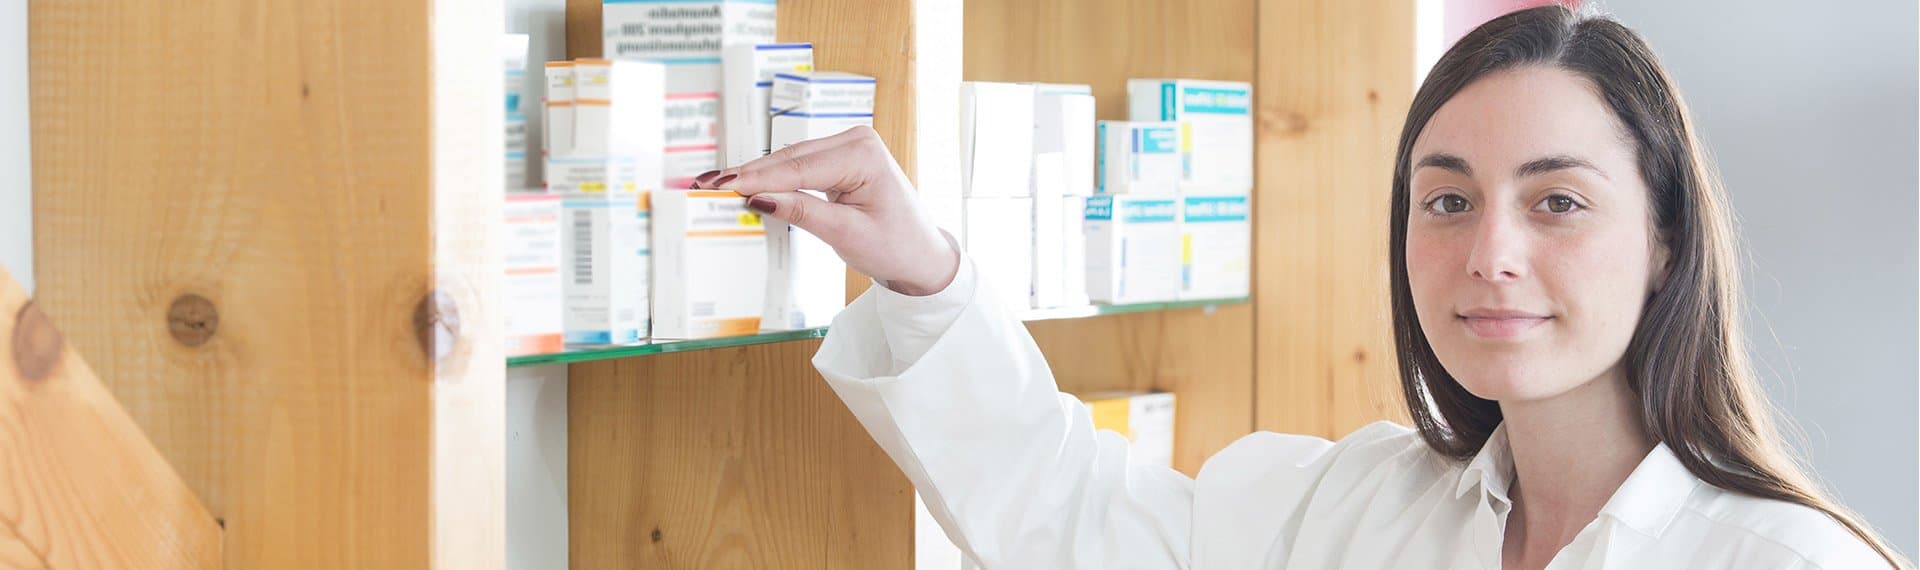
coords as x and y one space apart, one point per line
996 138
513 61
1133 248
747 94
1073 241
1063 122
605 266
819 104
1049 245
1217 247
1216 127
609 137
534 295
806 280
710 265
998 234
688 35
1138 157
1144 418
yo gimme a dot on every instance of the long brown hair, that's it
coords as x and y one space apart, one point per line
1687 361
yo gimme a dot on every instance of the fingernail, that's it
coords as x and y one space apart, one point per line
724 179
702 178
761 204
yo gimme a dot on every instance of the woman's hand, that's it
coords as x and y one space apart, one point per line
870 216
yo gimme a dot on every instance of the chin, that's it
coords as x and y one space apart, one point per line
1504 377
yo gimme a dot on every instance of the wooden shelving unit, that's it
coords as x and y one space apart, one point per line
269 228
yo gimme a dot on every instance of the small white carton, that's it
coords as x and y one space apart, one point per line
748 93
1217 247
686 35
605 267
998 235
1049 246
1073 240
513 61
1133 248
557 102
1216 127
710 265
996 138
1063 122
1144 418
534 294
806 280
1138 157
819 104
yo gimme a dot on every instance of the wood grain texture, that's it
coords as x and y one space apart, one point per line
744 457
1336 77
80 486
1206 360
734 458
282 161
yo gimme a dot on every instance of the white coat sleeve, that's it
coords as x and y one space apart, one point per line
954 390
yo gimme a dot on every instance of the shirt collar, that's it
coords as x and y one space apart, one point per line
1647 501
1491 468
1653 494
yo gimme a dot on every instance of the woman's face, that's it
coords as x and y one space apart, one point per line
1530 248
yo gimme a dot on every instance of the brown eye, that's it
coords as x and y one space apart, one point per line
1560 204
1448 204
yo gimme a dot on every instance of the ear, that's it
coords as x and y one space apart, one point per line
1659 263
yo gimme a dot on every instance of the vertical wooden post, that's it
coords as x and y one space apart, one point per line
269 226
1335 80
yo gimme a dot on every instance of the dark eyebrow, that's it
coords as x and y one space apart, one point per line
1553 163
1445 161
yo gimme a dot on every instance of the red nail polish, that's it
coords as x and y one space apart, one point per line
724 180
702 178
761 204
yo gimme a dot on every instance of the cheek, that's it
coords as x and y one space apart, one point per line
1434 259
1599 278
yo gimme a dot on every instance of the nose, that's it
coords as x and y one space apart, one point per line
1499 249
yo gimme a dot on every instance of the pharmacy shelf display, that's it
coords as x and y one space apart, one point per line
664 346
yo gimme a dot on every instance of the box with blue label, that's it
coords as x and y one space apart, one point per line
1133 248
604 267
1216 127
686 35
819 104
1216 250
1138 157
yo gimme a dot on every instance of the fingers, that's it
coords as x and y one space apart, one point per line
840 163
825 220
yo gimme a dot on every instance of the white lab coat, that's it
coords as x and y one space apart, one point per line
953 388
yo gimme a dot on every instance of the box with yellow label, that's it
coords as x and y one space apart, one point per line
1144 418
709 265
1216 247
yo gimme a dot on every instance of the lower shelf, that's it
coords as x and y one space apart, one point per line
591 353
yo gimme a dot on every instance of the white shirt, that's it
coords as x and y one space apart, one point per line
954 390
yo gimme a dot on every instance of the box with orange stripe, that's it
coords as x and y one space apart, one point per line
710 265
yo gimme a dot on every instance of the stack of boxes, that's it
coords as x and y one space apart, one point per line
1215 122
689 38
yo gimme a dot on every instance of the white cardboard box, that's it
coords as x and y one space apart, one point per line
1144 418
617 117
604 267
747 95
1049 246
996 139
1216 127
1138 157
820 104
534 294
557 102
998 235
513 61
683 33
1073 241
1217 247
710 265
806 280
1063 122
1133 248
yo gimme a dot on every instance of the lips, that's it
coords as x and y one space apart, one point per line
1499 324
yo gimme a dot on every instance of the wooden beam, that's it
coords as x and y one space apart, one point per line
82 487
1335 80
268 223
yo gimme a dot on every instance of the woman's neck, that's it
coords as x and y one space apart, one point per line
1570 453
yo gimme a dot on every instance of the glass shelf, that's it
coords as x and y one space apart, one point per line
591 353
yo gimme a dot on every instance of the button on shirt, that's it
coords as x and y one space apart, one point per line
954 390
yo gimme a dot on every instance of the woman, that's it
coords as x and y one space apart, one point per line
1565 312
